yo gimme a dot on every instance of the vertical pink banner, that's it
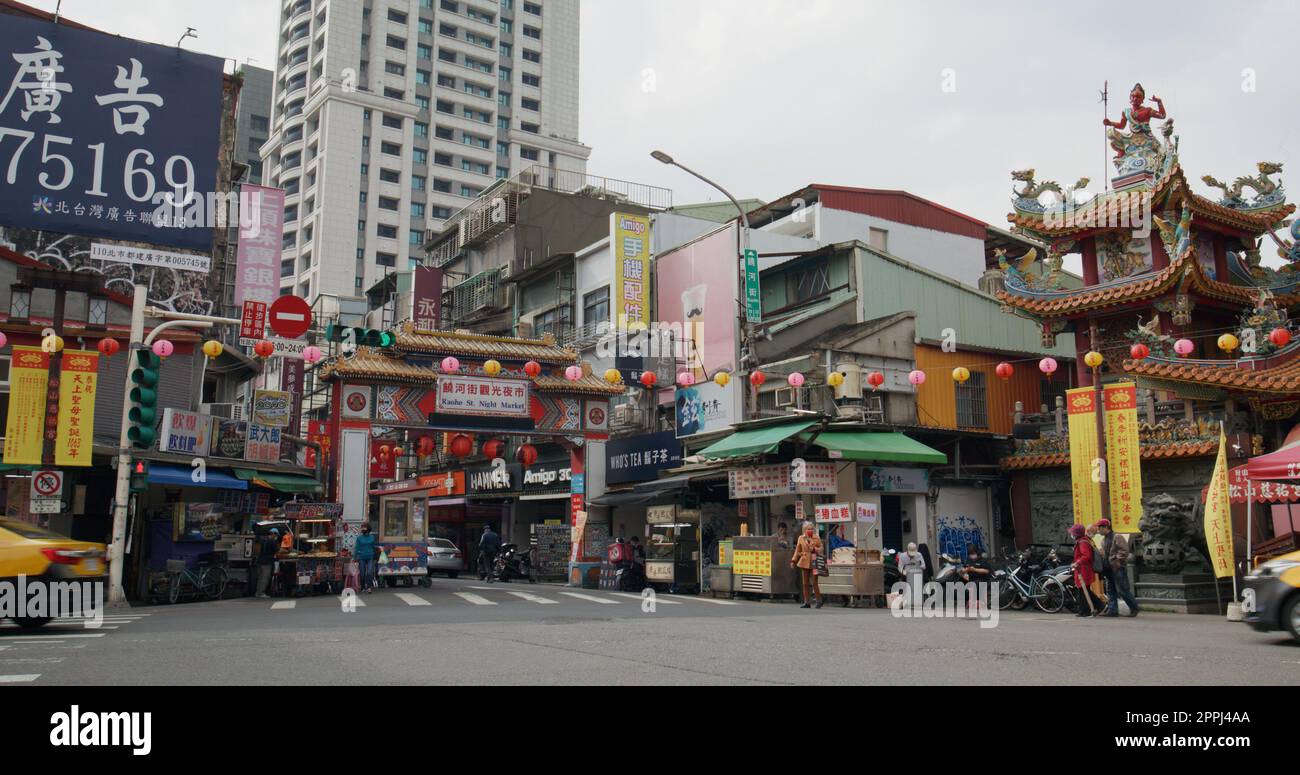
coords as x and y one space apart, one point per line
257 258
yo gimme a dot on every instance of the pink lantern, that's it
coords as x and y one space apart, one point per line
311 353
686 379
1184 347
573 373
795 379
163 348
916 377
4 340
450 364
1047 366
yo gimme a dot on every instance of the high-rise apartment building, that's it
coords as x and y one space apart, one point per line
391 115
253 119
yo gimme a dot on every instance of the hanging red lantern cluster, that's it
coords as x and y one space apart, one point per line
107 347
1004 370
264 349
1139 351
461 445
757 378
494 448
648 379
875 379
532 368
1279 336
527 455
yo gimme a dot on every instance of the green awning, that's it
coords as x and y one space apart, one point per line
886 447
290 483
754 441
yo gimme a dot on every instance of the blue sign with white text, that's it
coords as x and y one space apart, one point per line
640 458
107 136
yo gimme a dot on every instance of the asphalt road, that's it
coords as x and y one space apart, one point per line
465 632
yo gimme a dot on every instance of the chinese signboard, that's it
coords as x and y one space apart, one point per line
1123 456
291 374
630 244
750 562
638 458
108 136
126 254
383 464
231 439
257 257
868 512
252 322
47 492
76 428
661 515
272 407
834 512
878 479
24 427
761 481
426 298
753 296
1218 515
263 444
1080 407
707 407
186 433
482 396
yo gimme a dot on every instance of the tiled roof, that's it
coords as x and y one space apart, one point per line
369 363
1149 452
465 343
589 383
1283 377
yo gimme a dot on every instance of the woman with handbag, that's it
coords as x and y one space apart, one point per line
808 557
1084 574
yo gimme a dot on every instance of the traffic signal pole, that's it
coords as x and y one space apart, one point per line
122 495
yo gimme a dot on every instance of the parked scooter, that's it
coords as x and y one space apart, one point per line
514 564
950 569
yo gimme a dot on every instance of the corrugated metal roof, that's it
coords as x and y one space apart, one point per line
901 207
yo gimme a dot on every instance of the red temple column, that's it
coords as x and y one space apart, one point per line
1090 275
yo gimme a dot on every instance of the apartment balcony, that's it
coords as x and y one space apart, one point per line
480 296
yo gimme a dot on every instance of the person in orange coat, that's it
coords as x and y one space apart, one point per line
806 550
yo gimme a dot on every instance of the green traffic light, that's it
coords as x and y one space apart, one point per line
146 397
143 415
145 377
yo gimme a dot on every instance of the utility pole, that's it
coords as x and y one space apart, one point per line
1099 413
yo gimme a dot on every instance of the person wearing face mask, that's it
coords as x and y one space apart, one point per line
911 565
806 550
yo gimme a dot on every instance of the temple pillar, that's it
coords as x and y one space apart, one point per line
1090 274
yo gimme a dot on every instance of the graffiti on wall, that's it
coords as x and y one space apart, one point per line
957 533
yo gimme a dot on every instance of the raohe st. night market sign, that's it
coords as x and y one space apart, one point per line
107 136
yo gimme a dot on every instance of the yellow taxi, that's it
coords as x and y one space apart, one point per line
35 554
1273 595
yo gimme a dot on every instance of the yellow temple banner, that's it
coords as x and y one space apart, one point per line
77 383
29 373
1123 456
1085 484
1218 514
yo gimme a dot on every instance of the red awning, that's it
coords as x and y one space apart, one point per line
1284 463
1243 487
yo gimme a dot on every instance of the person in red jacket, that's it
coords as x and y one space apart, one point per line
1083 572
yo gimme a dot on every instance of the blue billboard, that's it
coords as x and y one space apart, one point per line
107 136
639 458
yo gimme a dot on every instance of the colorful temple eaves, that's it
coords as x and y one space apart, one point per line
371 365
1149 452
471 345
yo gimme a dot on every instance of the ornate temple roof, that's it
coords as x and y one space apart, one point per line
1176 449
1259 375
465 343
372 365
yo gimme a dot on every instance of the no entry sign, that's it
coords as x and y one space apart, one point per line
47 483
290 316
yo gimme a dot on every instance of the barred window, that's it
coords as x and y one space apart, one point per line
972 402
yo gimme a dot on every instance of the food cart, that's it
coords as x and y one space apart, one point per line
761 566
314 563
852 573
720 578
402 544
673 551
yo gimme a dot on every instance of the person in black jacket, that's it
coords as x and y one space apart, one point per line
488 546
267 546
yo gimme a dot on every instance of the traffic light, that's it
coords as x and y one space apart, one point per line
140 476
369 337
144 399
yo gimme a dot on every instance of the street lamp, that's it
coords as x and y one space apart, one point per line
742 242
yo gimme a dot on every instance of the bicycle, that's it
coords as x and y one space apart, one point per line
1047 593
209 580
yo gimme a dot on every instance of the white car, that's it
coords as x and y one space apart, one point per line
444 557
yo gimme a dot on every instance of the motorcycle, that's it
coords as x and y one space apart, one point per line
629 576
950 569
514 564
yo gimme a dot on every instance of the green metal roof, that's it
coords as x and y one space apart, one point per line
721 212
755 441
885 447
290 483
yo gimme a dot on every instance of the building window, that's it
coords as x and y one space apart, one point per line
528 103
394 68
478 15
476 141
421 129
447 81
392 122
417 236
394 94
363 197
507 26
469 191
384 230
426 27
386 259
474 166
506 50
390 176
420 156
505 74
503 172
286 268
442 159
422 102
532 80
392 149
389 203
503 149
443 186
533 128
441 213
595 307
423 51
443 106
445 133
417 182
503 122
530 154
878 239
396 42
447 55
532 32
532 56
260 124
365 169
808 283
503 99
533 8
972 403
417 209
396 16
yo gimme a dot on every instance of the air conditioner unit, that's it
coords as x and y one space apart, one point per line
627 415
224 411
785 396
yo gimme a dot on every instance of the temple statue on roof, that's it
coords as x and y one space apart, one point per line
1166 267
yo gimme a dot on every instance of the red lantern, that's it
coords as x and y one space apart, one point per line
1004 370
493 448
399 450
425 446
264 349
461 445
532 368
527 455
1279 337
1139 351
108 346
757 378
875 379
648 378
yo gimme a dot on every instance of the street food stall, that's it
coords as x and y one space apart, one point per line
852 572
761 566
673 548
314 562
720 578
402 546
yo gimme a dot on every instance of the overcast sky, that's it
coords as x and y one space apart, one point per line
765 96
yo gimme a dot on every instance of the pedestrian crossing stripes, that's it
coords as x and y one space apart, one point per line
470 597
635 596
530 597
412 599
19 679
281 605
496 595
592 598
